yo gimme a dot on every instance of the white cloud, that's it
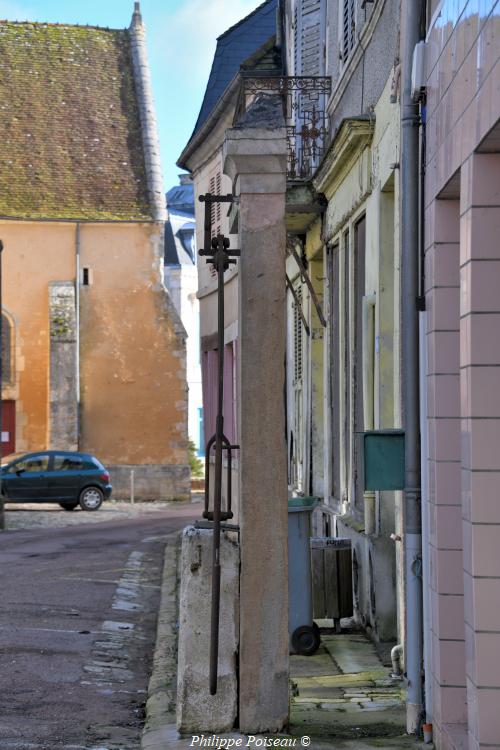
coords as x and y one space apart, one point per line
186 38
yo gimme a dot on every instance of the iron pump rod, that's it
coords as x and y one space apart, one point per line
221 257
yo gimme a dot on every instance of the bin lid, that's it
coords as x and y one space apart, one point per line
302 504
323 542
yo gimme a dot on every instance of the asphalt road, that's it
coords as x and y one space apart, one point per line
78 608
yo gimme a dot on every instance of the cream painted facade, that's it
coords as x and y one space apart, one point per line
344 377
359 179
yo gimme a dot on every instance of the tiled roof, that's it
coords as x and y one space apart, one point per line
234 47
70 135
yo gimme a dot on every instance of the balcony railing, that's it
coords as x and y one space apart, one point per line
304 108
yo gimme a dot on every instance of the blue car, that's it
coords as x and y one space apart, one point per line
63 477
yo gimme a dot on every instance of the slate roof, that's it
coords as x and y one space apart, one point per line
180 226
181 198
235 46
70 135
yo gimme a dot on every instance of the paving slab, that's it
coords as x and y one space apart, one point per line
352 653
168 737
311 666
357 699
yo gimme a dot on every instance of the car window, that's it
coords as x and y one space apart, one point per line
90 465
67 463
30 465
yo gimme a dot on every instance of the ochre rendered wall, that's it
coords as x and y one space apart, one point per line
35 254
132 345
133 379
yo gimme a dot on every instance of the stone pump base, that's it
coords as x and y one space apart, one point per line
197 710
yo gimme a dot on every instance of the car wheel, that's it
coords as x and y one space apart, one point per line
68 506
91 498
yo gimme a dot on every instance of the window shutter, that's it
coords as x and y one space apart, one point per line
348 27
218 179
215 184
297 335
309 37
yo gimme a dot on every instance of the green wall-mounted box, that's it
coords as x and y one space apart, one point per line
384 459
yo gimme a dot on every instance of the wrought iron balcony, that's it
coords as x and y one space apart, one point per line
304 108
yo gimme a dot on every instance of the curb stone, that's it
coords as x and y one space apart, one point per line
160 706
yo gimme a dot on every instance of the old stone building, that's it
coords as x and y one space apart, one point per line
94 348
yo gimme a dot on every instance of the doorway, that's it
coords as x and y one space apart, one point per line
8 427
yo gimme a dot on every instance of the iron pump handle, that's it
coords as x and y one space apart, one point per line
227 514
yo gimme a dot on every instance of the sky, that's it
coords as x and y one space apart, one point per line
181 37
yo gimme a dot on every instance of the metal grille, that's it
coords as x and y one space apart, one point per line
304 106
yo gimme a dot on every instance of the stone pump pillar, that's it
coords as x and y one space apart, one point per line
255 159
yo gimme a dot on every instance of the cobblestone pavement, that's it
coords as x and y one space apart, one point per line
51 515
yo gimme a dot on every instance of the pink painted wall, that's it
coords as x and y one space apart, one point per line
462 244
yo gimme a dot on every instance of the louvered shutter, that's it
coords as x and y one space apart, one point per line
348 28
309 36
297 335
215 209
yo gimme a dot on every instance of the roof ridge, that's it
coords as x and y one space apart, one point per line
242 20
61 25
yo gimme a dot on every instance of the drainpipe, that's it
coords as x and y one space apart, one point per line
426 571
411 18
77 315
368 395
396 655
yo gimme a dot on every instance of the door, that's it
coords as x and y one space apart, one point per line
8 427
359 291
26 478
65 477
335 364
